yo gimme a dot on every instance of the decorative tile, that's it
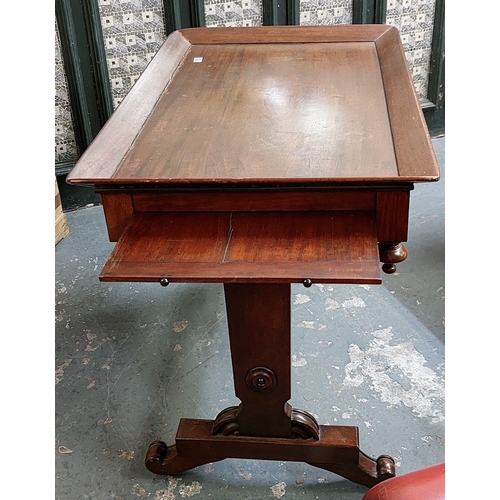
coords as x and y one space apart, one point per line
133 31
65 145
325 12
233 13
414 20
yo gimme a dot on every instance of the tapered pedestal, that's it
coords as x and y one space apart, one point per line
264 426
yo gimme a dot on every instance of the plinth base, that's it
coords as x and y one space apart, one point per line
336 450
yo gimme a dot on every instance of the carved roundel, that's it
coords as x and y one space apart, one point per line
261 379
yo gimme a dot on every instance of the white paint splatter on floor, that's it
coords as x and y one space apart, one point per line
325 343
129 455
353 302
188 490
60 370
64 450
301 298
139 491
298 361
244 475
164 495
278 490
180 326
306 324
168 493
90 336
397 374
331 304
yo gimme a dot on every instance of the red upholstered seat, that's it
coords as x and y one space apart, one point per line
424 484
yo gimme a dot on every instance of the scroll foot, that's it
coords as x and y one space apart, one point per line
164 460
366 471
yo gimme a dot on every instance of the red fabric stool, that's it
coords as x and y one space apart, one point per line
424 484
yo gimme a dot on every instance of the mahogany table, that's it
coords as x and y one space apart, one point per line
260 157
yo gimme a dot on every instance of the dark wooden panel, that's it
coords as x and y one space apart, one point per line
435 113
193 435
284 34
283 247
118 209
280 13
369 11
258 317
183 14
257 201
392 215
83 51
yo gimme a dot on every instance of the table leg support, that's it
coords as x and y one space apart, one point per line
264 426
336 450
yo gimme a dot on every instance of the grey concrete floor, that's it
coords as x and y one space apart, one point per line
132 359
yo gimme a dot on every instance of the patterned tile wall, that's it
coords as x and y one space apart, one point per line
233 13
414 19
65 144
133 31
321 12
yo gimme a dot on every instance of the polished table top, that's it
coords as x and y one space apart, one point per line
308 105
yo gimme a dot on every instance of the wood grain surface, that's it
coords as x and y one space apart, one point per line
412 143
254 200
285 34
268 113
265 247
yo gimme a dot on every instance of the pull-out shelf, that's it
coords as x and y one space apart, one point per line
242 247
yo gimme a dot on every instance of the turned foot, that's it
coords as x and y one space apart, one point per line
386 467
165 460
366 471
390 255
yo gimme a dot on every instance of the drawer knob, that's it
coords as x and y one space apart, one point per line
164 282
